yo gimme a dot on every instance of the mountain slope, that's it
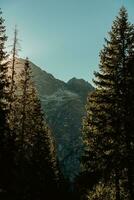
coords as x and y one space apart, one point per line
63 105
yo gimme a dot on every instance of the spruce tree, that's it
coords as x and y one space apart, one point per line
38 174
12 115
4 82
13 61
45 171
13 86
6 139
24 131
109 140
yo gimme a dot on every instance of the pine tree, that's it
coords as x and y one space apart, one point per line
37 171
43 156
13 61
23 129
109 140
3 78
6 140
13 86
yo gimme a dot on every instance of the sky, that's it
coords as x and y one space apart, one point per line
63 37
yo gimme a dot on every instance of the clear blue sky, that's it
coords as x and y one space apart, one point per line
64 37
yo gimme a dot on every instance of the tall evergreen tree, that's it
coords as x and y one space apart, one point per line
43 157
13 61
12 72
38 174
12 115
6 140
109 140
3 78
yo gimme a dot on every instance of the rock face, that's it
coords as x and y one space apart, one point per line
63 105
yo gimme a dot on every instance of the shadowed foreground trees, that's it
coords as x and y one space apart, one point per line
7 145
36 153
28 162
109 124
37 173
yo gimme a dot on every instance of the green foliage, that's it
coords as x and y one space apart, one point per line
35 156
28 162
101 192
108 138
3 76
7 146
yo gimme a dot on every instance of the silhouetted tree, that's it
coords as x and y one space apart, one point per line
6 139
13 85
43 154
109 141
38 175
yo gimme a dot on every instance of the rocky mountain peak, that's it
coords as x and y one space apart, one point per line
80 86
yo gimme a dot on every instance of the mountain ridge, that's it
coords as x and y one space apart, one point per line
64 106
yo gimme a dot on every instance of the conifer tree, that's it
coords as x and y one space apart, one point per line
6 140
38 174
43 156
13 86
109 141
12 115
3 78
13 61
24 131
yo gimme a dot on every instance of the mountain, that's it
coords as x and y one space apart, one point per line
80 87
63 105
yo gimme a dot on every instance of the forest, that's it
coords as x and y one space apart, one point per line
29 165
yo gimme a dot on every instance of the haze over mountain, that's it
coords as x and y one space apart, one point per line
64 106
